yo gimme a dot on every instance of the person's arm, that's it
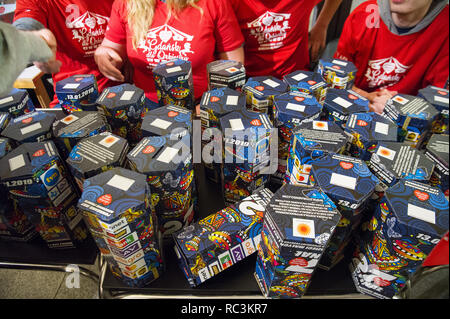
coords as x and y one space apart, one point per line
235 55
318 33
110 57
19 48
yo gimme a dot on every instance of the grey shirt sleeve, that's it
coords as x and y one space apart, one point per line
17 50
28 24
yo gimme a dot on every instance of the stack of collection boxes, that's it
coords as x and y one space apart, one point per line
117 208
438 97
260 92
225 73
77 93
310 83
339 74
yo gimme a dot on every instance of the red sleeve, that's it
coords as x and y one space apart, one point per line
234 4
437 74
34 9
228 34
346 48
117 25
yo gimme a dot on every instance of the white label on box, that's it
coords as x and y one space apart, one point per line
109 141
121 182
386 153
71 86
303 228
161 124
271 83
400 100
342 63
16 162
424 214
69 119
232 100
342 102
6 100
204 274
168 154
127 95
295 107
382 128
30 128
441 99
320 125
237 125
343 181
300 76
175 69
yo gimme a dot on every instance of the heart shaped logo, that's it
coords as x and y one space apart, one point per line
442 92
105 200
255 122
361 123
346 165
79 79
90 22
311 82
165 35
422 196
111 95
380 282
215 99
259 88
149 149
39 153
302 262
352 97
299 98
27 120
388 67
337 67
172 114
267 20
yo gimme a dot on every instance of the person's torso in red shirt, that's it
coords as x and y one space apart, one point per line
190 36
276 35
79 27
403 63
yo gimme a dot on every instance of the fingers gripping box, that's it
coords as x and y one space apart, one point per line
174 83
96 154
289 111
340 104
260 92
169 170
310 142
413 116
171 120
31 127
37 179
16 103
350 184
437 151
124 106
71 129
77 93
410 220
438 97
392 161
117 205
298 224
339 74
310 83
365 131
225 73
221 240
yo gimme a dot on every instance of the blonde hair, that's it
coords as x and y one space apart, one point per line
141 13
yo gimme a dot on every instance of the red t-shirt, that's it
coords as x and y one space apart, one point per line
276 35
191 37
79 27
403 63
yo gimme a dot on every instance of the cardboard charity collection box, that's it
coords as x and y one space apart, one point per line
31 127
5 146
340 104
14 225
71 129
77 93
174 83
170 174
437 151
96 154
366 130
123 106
289 111
413 115
410 220
339 74
246 150
220 240
117 207
307 82
438 97
260 92
16 103
310 142
35 176
350 184
225 73
298 223
170 120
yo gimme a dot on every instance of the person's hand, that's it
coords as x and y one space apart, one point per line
109 63
378 103
317 41
52 65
